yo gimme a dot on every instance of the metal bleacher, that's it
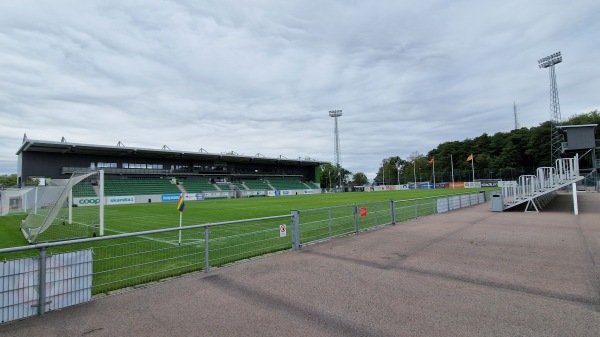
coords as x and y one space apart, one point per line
536 191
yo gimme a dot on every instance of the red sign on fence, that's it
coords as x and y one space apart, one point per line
363 211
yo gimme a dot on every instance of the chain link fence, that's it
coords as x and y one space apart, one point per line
38 278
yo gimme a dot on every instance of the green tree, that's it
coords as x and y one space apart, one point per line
504 155
8 180
332 176
390 171
359 179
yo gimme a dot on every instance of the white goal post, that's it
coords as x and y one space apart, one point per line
16 200
72 208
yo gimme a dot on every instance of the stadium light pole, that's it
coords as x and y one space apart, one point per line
336 146
555 137
415 173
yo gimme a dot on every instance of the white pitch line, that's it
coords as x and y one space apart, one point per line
174 243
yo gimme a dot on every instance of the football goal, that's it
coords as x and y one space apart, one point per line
68 209
16 200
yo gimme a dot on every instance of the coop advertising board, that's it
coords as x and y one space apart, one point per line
82 202
120 200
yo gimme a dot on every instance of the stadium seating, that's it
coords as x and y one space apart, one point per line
197 185
139 186
83 189
256 185
287 184
240 186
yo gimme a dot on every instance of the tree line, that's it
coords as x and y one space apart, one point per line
504 155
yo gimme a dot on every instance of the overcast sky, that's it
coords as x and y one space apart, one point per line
260 76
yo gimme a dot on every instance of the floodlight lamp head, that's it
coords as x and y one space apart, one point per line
549 61
335 113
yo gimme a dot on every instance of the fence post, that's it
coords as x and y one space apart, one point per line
206 255
330 225
356 225
42 282
416 208
295 230
393 212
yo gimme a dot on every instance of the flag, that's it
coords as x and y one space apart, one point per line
180 203
470 158
431 161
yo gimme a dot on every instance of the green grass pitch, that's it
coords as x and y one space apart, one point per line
152 257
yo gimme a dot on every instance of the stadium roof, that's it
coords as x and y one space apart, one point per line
66 147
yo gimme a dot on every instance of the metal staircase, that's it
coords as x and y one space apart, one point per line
536 191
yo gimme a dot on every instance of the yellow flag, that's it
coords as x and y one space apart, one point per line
470 158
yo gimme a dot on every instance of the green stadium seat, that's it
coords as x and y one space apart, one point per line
197 185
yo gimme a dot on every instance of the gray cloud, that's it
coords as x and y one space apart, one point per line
256 77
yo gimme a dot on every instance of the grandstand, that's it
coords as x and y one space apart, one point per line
142 171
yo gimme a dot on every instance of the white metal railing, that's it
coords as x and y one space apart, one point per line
527 186
547 178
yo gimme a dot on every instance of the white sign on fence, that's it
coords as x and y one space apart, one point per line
68 282
472 184
282 231
442 205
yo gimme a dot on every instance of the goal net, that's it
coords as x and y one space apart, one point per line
68 209
15 200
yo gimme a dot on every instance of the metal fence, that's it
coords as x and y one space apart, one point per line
39 278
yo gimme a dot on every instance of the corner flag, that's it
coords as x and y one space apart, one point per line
180 207
180 203
470 158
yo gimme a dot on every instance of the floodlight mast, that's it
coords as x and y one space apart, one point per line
336 146
555 138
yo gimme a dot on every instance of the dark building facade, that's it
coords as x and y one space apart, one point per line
58 160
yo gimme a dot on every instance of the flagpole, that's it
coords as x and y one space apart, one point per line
473 166
180 222
415 174
452 164
433 172
180 207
